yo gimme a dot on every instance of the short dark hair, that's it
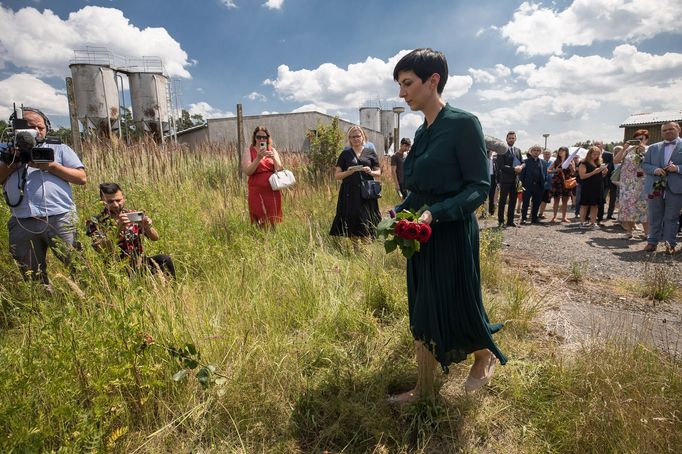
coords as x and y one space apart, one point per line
109 188
406 141
425 62
510 133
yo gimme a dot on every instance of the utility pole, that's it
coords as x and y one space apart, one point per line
73 116
240 138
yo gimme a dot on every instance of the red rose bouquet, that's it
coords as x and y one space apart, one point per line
659 187
405 232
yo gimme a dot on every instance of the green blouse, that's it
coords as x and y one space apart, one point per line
447 167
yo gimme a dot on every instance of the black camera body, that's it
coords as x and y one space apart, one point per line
19 145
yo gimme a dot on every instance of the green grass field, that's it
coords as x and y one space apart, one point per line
289 341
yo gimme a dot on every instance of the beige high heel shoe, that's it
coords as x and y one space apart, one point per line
472 384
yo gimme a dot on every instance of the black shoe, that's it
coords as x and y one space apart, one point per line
524 222
511 224
537 221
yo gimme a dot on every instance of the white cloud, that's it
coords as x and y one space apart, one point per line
482 76
43 43
255 96
267 112
410 121
601 75
538 30
502 71
331 87
456 87
207 111
30 91
273 4
229 3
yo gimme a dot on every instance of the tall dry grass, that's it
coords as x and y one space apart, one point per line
303 339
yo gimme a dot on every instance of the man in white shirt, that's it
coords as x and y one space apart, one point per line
662 165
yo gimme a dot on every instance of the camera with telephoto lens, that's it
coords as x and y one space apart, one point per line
19 143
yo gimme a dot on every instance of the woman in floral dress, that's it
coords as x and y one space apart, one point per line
559 175
632 201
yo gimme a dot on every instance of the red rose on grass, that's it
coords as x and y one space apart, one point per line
424 233
640 174
400 227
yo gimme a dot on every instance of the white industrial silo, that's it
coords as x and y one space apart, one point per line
149 98
370 118
387 127
96 96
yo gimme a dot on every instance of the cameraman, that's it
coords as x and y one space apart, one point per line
44 215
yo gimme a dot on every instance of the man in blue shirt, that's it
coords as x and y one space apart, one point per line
45 215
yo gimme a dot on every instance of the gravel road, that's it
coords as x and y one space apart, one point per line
607 301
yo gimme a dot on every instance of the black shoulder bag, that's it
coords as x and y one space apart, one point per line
369 189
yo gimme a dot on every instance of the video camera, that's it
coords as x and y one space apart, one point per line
19 144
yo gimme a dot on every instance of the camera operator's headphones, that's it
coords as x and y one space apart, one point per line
48 126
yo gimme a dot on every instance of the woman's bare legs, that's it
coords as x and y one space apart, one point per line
555 209
564 208
583 213
425 387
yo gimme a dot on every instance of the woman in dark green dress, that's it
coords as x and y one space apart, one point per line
447 170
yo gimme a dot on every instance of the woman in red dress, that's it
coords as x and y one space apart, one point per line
259 162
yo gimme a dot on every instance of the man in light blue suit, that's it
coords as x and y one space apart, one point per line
664 159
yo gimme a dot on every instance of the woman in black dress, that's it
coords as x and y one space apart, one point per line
591 171
356 217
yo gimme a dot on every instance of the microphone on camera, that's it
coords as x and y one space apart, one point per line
25 139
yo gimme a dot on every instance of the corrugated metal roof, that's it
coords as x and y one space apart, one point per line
652 118
193 128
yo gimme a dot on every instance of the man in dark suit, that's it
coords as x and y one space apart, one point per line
492 159
509 165
533 178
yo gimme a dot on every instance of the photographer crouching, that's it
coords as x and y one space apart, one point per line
126 228
36 173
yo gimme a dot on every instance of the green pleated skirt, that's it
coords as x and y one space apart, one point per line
444 294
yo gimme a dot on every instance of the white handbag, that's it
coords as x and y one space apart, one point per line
281 180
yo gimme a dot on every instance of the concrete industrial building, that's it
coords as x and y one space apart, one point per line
289 130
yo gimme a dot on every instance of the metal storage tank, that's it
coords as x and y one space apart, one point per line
96 96
149 98
370 118
387 127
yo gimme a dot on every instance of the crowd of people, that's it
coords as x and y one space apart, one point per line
444 176
643 183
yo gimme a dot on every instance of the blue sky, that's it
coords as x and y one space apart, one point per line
574 69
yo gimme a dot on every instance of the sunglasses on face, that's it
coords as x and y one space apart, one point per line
356 137
262 137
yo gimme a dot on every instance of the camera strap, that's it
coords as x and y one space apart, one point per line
21 186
